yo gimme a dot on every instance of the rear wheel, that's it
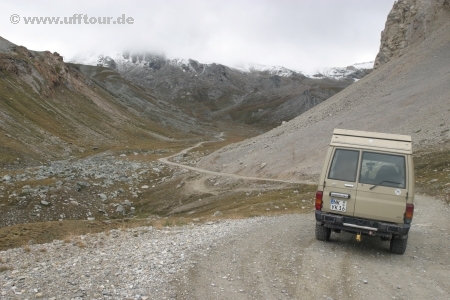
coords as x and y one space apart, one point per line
398 246
323 233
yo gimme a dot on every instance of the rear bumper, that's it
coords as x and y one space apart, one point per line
359 225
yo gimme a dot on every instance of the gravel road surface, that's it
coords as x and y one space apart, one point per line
281 259
256 258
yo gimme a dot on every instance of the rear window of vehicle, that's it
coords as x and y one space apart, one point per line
344 165
383 169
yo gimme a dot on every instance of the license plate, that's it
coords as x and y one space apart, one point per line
338 205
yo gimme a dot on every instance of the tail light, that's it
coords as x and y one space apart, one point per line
408 213
319 196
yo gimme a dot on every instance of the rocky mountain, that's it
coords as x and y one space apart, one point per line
409 23
51 110
408 93
252 94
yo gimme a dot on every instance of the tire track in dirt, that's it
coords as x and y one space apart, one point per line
280 259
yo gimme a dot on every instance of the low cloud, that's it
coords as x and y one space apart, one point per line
299 35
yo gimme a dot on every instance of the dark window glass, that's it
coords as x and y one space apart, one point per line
383 169
344 165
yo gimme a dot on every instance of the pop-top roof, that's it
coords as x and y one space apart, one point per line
372 140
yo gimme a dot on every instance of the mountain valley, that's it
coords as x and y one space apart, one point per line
137 176
257 95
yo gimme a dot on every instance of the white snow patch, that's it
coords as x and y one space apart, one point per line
121 62
337 72
275 70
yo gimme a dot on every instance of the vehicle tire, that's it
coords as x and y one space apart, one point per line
323 233
398 246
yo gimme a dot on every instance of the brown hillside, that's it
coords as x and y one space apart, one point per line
51 110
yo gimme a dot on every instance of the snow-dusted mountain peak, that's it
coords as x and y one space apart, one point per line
274 70
352 71
156 61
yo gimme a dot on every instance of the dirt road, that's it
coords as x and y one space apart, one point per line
282 260
230 175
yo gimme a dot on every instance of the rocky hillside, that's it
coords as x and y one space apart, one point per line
408 94
408 24
260 95
50 109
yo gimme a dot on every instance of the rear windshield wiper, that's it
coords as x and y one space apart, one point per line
382 182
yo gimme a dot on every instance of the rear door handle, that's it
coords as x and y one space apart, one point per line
348 185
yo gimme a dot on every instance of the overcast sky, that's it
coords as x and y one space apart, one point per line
300 35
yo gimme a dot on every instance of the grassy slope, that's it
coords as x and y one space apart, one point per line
231 205
432 172
62 116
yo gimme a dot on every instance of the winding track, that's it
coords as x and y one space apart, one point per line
230 175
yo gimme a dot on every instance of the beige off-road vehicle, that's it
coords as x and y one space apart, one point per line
367 187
